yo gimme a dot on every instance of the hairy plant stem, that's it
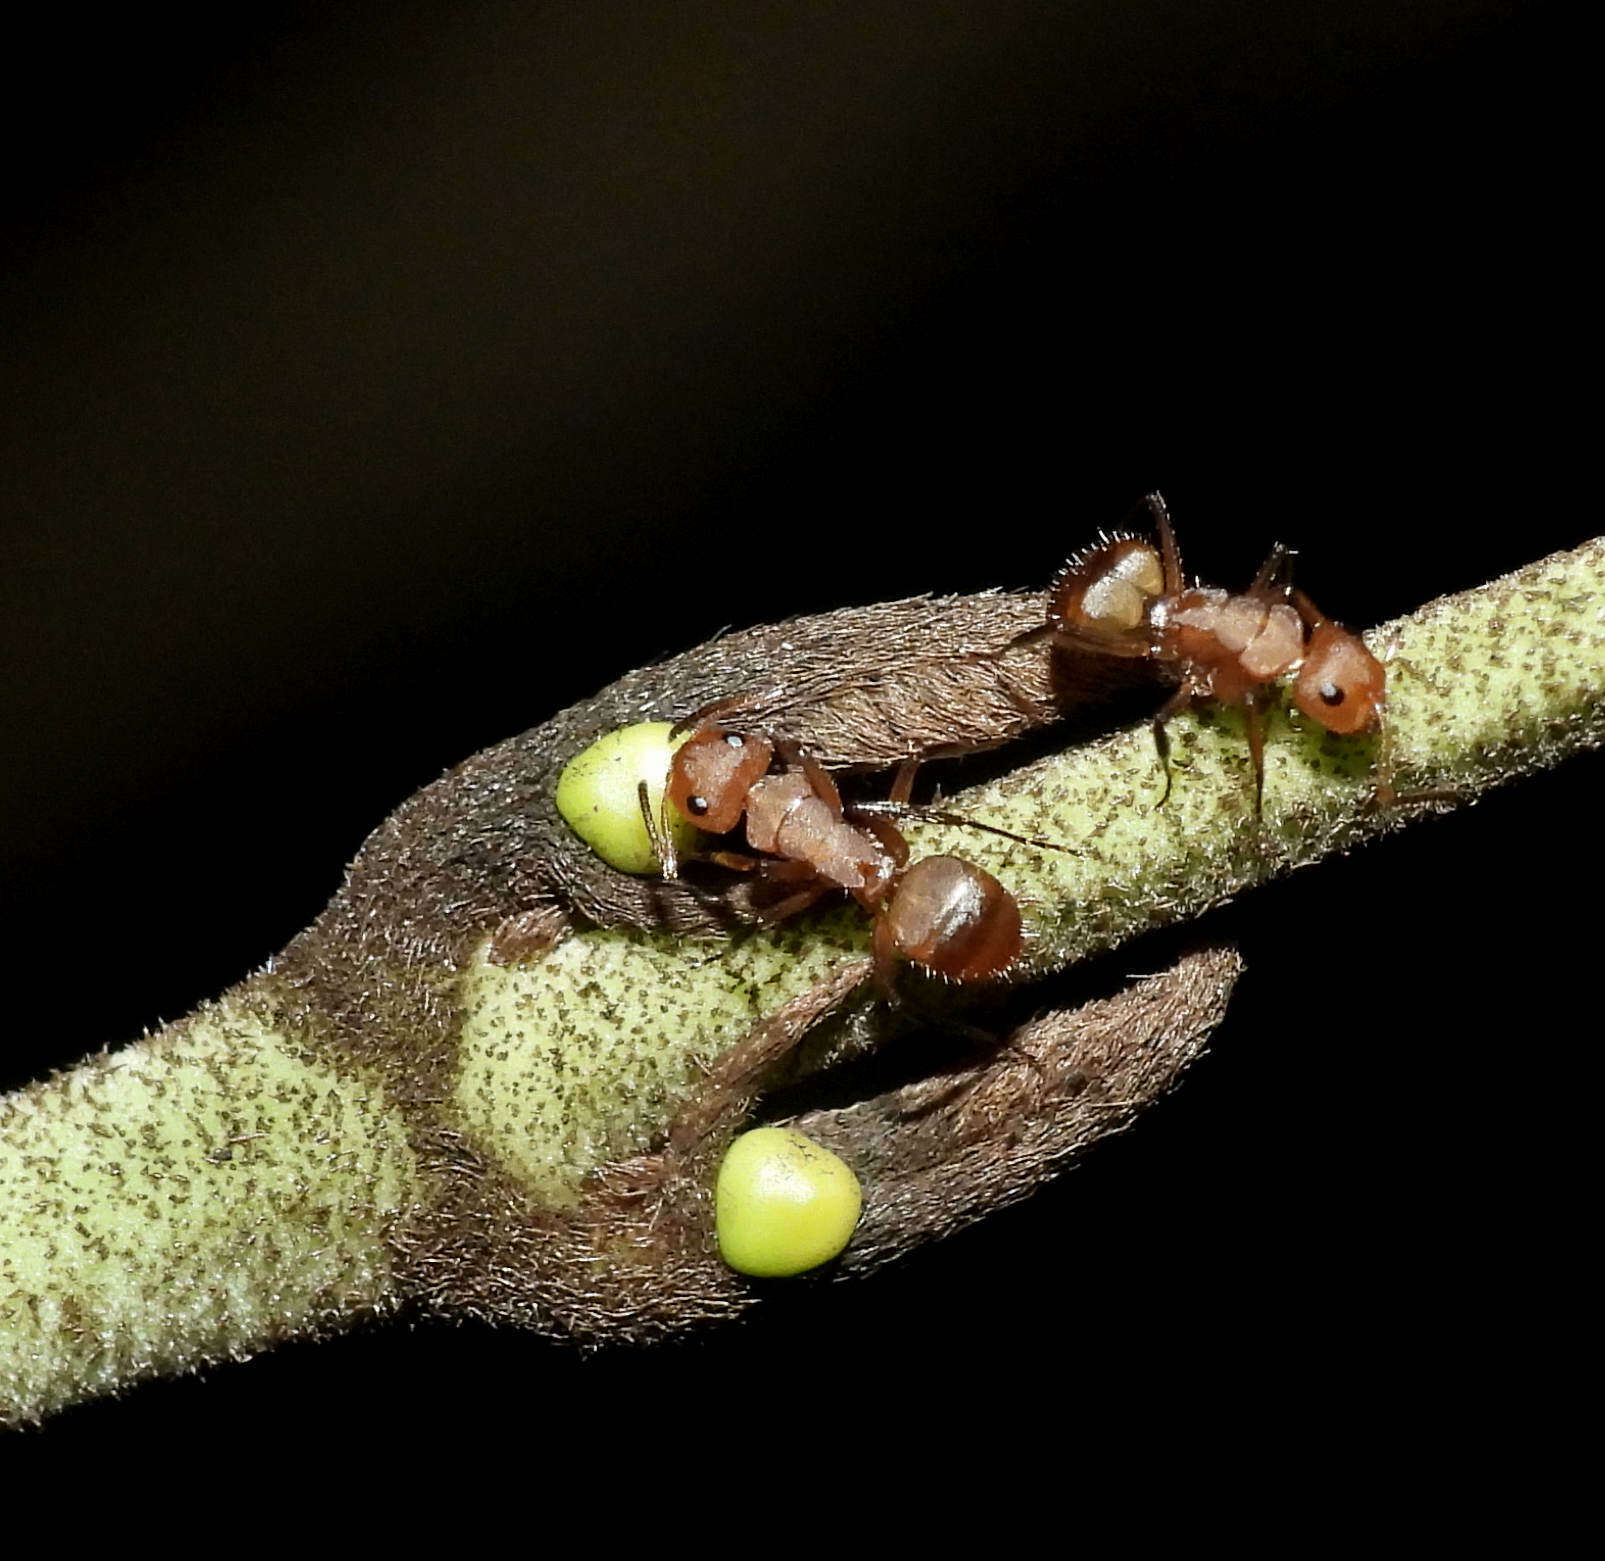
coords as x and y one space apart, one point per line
243 1176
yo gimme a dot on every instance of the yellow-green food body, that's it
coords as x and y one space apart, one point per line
783 1204
598 795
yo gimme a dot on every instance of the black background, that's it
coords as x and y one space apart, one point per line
382 379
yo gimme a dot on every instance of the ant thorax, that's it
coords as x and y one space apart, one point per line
1235 642
787 817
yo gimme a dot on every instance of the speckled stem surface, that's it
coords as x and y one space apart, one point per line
248 1175
196 1196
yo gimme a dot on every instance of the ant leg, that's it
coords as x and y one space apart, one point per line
876 819
784 874
1044 631
888 965
963 821
1162 746
964 1081
886 833
1255 719
708 714
903 783
885 952
792 905
824 786
1074 639
1383 793
1173 706
795 757
898 805
1306 609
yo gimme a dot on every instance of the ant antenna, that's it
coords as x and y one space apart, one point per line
659 832
959 820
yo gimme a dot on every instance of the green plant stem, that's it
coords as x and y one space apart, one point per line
234 1179
195 1196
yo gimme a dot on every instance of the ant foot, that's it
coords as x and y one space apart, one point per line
1384 796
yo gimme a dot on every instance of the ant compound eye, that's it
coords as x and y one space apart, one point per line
599 795
783 1204
1330 694
697 807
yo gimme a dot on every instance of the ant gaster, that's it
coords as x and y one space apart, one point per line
942 913
1126 597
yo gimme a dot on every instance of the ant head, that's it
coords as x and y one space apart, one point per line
712 773
953 918
1341 685
1104 594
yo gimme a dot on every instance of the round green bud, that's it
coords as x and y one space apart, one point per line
598 795
783 1204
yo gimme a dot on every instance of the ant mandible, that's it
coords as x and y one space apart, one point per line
1126 597
942 913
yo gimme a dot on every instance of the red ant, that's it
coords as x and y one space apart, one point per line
942 913
1126 597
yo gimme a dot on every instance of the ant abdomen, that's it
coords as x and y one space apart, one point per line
953 918
787 818
1104 595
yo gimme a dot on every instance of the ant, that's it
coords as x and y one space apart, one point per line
1126 597
942 913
